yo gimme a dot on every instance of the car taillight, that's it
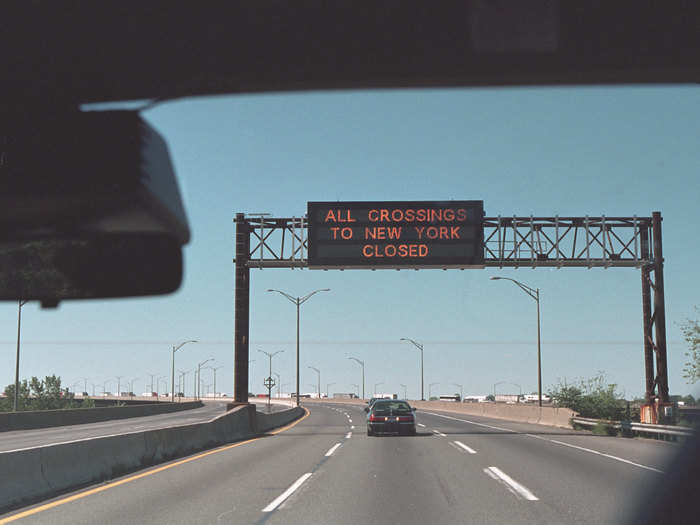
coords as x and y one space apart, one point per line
377 418
405 418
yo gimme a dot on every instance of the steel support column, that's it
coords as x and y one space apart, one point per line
241 310
648 337
659 309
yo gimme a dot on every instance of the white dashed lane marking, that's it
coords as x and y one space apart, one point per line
465 447
282 497
512 485
333 449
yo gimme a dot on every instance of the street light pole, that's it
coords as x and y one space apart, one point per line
535 294
319 379
357 387
298 301
172 369
279 385
214 369
375 387
405 395
269 389
199 372
119 385
183 375
362 364
430 389
15 402
419 347
461 390
328 392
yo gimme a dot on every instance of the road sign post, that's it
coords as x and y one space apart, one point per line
269 383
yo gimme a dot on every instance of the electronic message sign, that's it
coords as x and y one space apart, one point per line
417 234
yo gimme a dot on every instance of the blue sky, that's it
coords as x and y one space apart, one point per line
543 151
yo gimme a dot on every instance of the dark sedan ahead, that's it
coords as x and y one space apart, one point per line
390 416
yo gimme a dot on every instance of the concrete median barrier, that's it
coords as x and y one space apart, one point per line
38 473
521 412
267 422
53 418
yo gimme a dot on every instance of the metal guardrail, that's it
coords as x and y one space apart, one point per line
669 430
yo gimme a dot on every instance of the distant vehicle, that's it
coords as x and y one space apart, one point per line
474 399
344 396
386 396
149 394
105 394
533 398
389 416
454 397
85 394
507 398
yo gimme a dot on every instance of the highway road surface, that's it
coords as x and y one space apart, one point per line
324 469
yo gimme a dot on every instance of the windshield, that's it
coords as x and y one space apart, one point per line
384 407
526 376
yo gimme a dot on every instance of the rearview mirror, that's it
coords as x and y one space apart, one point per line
90 208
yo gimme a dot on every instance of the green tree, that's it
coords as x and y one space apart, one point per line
39 394
594 397
691 332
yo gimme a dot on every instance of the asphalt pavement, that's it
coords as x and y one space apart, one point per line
325 469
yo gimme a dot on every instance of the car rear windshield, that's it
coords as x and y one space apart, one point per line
385 407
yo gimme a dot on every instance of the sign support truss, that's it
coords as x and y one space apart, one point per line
509 242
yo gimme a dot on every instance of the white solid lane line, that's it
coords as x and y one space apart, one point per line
421 425
513 485
333 449
348 435
465 447
280 499
589 450
606 455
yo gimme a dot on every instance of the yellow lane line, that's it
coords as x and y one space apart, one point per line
89 492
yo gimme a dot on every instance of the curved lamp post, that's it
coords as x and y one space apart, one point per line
535 294
172 368
419 347
298 301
